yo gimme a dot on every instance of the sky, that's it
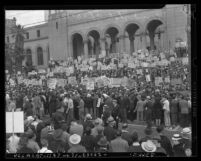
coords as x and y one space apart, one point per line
26 17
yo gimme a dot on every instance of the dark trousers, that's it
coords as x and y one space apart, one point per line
123 115
184 120
76 113
174 118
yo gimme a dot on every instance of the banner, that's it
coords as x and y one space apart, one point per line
115 82
185 61
131 83
106 81
148 79
100 82
51 83
124 81
15 120
167 79
72 81
61 82
158 81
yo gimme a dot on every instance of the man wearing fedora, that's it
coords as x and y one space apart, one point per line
103 145
109 130
178 149
186 140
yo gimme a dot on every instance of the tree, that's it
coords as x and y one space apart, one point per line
19 46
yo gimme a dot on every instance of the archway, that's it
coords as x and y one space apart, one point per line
131 30
28 57
151 28
93 43
78 46
111 40
40 56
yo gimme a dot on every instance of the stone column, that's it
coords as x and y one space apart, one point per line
122 43
85 48
102 45
131 38
143 40
151 36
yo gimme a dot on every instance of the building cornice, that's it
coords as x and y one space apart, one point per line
41 38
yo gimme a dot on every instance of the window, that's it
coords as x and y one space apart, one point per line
27 35
57 25
8 39
38 33
40 55
28 57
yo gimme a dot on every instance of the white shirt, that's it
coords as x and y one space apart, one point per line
44 150
13 145
166 105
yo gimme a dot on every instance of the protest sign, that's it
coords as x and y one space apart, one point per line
124 81
185 61
106 81
71 70
12 82
115 82
158 81
121 65
51 83
172 59
14 122
72 81
148 78
100 82
61 82
90 85
131 83
167 79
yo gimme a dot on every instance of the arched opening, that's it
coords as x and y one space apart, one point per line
112 40
28 57
78 46
153 28
131 31
93 43
40 56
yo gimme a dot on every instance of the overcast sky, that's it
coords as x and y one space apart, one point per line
26 17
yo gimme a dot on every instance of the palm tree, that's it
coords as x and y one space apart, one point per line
17 53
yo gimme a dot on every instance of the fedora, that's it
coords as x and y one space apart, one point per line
148 146
75 139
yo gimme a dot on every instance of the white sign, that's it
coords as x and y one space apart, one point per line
15 121
90 85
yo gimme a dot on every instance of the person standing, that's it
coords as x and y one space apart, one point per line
174 111
184 111
81 109
118 144
166 108
148 109
89 104
69 111
140 108
178 149
157 111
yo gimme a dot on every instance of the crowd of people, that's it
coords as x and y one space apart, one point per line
74 119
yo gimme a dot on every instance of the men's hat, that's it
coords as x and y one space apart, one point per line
98 121
88 95
176 137
105 95
103 141
148 97
148 146
30 118
75 139
186 130
88 116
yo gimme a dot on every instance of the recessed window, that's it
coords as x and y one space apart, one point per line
38 33
27 35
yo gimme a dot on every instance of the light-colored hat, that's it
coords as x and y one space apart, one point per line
75 139
88 95
176 137
148 146
30 118
148 97
105 95
88 116
186 130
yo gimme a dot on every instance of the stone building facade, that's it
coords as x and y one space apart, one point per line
87 33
